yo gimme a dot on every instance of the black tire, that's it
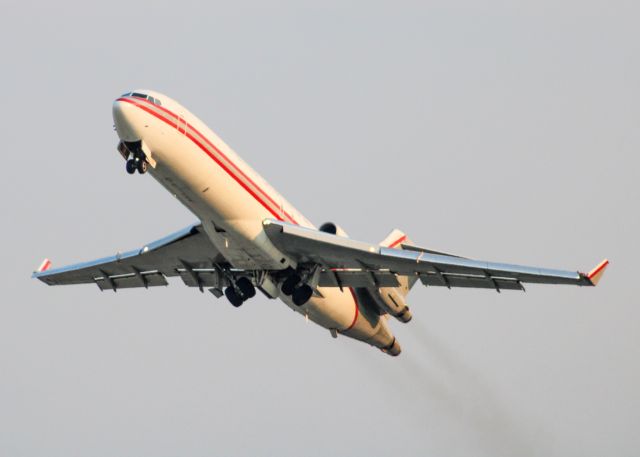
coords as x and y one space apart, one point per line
302 295
233 297
290 284
131 166
143 166
247 290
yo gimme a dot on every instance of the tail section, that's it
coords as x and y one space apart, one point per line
395 240
392 299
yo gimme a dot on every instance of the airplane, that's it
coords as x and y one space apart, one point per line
248 238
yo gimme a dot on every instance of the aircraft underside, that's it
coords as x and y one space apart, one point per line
250 238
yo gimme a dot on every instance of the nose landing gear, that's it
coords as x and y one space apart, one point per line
137 163
131 166
136 155
143 166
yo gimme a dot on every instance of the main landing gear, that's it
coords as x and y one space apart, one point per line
300 293
240 292
137 163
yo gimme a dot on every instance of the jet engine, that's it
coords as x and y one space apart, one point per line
334 229
393 303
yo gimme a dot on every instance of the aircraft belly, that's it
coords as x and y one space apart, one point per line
231 216
334 310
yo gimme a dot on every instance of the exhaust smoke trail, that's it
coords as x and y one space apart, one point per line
465 396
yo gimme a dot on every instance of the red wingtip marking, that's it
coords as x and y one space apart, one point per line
595 274
598 269
44 266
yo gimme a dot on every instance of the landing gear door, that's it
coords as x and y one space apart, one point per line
123 150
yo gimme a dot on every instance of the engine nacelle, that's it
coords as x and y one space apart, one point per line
393 303
334 229
393 350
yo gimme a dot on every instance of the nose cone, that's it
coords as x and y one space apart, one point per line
125 119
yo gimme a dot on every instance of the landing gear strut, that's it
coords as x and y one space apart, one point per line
300 293
289 284
131 166
143 166
235 299
137 158
240 292
137 163
247 290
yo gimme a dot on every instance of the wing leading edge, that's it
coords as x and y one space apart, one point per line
187 253
343 258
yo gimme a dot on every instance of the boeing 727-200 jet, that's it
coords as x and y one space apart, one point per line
249 237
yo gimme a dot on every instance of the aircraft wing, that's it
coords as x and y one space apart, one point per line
350 263
187 253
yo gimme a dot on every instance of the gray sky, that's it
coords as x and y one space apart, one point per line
500 131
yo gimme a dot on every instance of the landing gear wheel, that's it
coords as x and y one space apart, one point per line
131 166
247 290
290 284
142 166
302 295
235 299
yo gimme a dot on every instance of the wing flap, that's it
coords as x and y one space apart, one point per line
146 267
357 278
334 252
150 279
478 282
202 278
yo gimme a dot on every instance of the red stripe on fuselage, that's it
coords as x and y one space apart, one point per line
355 317
238 175
235 177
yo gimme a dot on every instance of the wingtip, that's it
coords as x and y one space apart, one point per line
595 275
44 266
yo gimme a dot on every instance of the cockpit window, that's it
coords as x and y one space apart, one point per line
153 100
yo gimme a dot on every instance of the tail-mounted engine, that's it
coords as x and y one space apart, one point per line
334 229
390 300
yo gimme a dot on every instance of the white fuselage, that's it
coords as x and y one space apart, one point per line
232 201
